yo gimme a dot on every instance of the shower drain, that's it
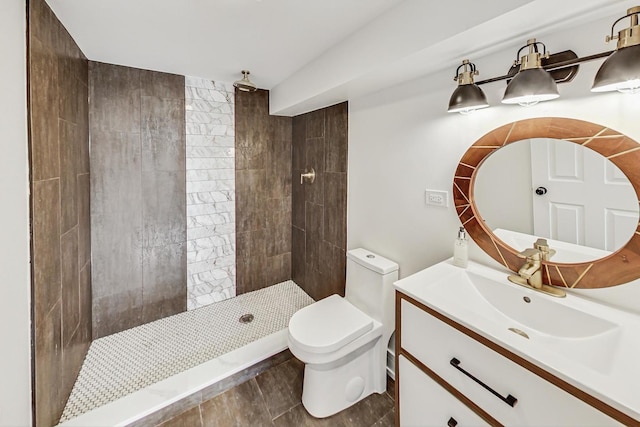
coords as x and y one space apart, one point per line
246 318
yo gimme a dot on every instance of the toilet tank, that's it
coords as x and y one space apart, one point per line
369 284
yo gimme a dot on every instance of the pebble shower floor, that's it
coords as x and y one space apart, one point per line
122 363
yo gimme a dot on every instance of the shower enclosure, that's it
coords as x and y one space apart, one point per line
159 194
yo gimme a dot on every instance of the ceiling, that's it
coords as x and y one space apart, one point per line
313 53
214 38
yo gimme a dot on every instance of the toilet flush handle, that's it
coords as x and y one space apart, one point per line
309 176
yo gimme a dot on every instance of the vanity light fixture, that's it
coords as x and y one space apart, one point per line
467 97
621 70
534 76
532 84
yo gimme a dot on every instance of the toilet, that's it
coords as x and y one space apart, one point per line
343 341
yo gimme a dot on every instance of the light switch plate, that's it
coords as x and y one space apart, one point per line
438 198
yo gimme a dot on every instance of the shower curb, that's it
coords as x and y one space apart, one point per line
211 391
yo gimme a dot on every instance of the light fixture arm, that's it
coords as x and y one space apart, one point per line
532 44
631 13
468 71
552 66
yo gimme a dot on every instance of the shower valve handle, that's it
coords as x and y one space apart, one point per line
309 176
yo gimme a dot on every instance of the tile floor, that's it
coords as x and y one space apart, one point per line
273 399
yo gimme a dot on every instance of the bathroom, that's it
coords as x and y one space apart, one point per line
400 139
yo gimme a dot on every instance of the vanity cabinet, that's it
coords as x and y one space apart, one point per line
449 375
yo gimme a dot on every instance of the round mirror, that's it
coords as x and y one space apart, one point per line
577 199
500 216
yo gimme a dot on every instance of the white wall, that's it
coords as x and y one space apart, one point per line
402 141
15 388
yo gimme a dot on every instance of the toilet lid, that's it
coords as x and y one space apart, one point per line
327 325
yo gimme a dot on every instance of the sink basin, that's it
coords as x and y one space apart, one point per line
542 314
484 295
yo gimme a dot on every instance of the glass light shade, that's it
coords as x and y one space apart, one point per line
467 98
529 87
620 71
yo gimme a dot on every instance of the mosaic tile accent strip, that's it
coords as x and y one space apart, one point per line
211 269
123 363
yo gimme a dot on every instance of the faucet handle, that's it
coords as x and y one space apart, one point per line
532 253
541 244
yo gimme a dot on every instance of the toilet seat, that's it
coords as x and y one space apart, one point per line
328 325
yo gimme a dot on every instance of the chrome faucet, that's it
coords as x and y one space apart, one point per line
530 274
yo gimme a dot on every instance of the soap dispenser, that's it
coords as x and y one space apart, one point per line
461 249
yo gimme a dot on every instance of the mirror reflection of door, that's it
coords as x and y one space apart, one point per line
588 200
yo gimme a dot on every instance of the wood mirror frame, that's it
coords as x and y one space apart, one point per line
621 266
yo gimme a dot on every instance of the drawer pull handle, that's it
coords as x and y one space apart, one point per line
509 400
452 422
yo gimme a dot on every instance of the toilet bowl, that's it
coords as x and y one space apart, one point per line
343 341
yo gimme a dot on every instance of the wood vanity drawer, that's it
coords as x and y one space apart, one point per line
488 379
424 403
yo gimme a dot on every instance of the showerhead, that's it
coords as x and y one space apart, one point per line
245 84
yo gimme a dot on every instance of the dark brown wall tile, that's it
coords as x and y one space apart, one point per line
84 220
117 312
315 159
298 152
72 359
43 84
164 286
314 219
279 169
68 136
277 268
115 171
115 97
138 206
86 319
314 283
298 255
333 267
162 85
263 193
59 147
70 284
46 247
82 128
336 138
163 139
315 124
335 209
48 369
43 23
116 240
319 210
297 200
164 216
